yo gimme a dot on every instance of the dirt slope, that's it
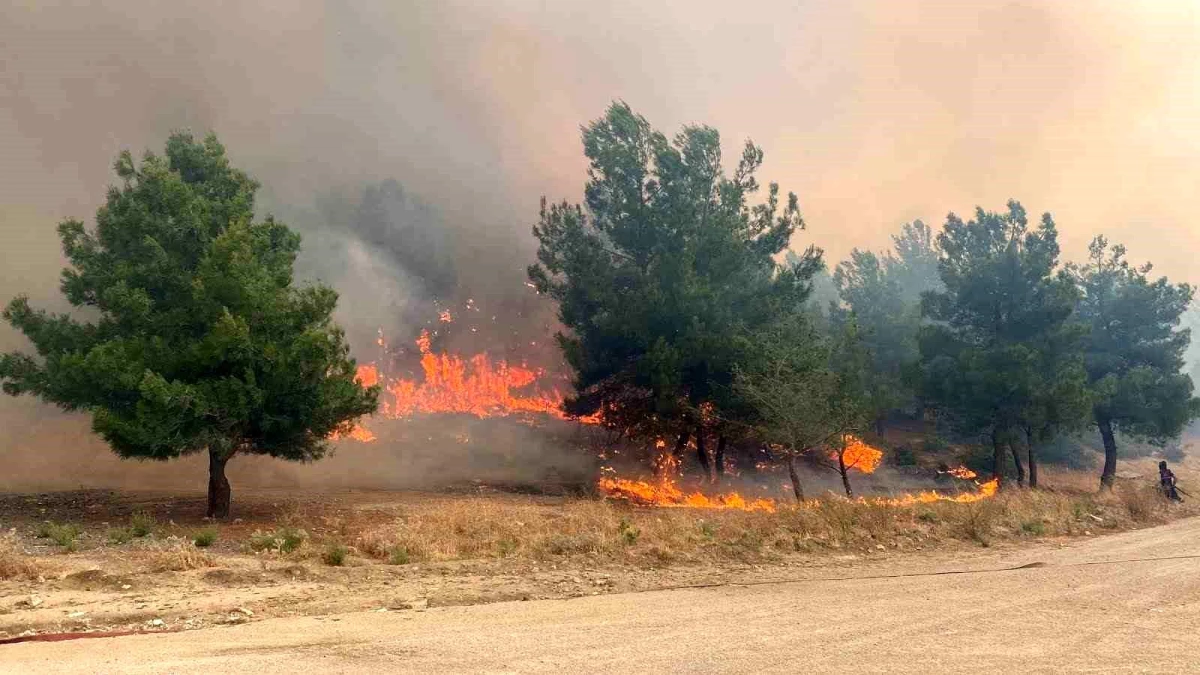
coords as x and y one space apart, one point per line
1095 606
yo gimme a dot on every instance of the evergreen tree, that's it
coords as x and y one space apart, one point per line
195 339
985 351
1134 351
665 266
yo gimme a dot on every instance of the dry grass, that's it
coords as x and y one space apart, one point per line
14 563
501 528
176 556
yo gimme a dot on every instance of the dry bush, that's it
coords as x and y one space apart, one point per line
14 563
1143 503
176 556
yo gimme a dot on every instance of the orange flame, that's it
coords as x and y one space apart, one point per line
961 472
477 385
859 455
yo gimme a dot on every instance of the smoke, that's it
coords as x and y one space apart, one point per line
874 112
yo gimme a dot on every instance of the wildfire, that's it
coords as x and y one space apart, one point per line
452 384
985 491
859 455
961 472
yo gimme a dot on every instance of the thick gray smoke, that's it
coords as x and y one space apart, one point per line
874 112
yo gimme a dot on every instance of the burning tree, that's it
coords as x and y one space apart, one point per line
198 341
660 272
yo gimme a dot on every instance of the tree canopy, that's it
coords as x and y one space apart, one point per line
1004 299
1134 350
663 267
192 337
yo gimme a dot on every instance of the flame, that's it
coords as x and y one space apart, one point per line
986 490
667 493
444 316
961 472
859 455
357 433
476 385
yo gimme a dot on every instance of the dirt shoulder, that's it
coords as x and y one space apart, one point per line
1122 602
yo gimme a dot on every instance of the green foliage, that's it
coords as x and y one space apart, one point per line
882 294
629 533
62 534
1001 353
119 535
806 388
399 555
142 524
196 338
1033 527
205 538
1135 349
668 263
506 546
335 555
903 456
282 540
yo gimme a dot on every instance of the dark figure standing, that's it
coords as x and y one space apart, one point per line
1166 480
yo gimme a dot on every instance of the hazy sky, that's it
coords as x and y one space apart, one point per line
874 112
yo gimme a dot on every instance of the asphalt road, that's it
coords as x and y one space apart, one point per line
1122 603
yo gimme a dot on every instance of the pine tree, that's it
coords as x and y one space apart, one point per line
192 336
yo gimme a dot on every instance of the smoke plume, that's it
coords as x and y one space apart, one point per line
874 112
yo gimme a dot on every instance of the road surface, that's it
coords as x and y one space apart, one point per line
1124 603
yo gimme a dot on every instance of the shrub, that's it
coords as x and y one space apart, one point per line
64 535
142 524
205 538
506 546
334 555
14 564
119 535
281 540
399 556
904 456
1033 527
629 533
178 557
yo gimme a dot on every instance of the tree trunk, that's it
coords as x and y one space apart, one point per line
1110 452
719 458
702 453
879 424
796 489
1016 454
219 494
843 471
1033 467
997 458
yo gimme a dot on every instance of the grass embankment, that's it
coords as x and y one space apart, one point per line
447 528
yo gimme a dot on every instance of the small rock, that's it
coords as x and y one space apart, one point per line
1096 518
880 547
75 615
244 611
156 623
125 587
33 601
1087 532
